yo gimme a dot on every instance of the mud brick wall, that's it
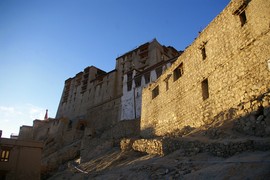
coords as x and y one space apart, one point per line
226 65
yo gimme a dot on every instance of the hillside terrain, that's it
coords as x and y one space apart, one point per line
209 152
131 165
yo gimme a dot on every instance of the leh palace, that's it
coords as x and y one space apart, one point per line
211 99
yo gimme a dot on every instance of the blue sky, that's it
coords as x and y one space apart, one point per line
43 43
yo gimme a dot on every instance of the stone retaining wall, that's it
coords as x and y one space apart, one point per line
164 146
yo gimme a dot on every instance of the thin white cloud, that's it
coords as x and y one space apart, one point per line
36 112
6 120
11 118
7 110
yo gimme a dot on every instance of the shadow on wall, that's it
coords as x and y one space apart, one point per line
257 105
222 138
250 117
255 123
148 132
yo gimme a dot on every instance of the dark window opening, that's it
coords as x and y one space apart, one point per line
138 81
147 77
144 48
167 85
82 127
129 85
70 124
243 18
205 89
144 55
5 155
203 53
178 72
241 12
123 67
129 76
129 81
155 92
159 71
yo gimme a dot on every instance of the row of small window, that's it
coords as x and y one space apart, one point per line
138 79
204 86
243 20
179 71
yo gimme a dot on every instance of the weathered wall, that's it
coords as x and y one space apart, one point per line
130 128
26 132
164 146
104 115
131 100
40 129
235 67
147 58
95 96
86 89
24 159
91 146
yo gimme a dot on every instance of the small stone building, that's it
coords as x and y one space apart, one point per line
223 74
20 159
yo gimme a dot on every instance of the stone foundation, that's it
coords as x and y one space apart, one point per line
164 146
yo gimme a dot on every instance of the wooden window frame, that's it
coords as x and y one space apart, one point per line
5 155
178 72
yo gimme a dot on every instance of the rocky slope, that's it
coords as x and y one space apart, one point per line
115 164
194 154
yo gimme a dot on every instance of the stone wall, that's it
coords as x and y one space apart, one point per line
103 116
225 66
128 128
94 87
165 146
87 89
256 122
99 143
145 56
26 133
40 129
131 100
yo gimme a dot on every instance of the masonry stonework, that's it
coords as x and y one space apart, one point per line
101 99
155 90
225 67
133 83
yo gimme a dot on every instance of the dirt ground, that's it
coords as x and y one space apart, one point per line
115 164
